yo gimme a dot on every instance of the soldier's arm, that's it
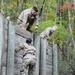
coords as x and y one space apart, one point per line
22 19
37 22
48 31
19 47
25 19
53 29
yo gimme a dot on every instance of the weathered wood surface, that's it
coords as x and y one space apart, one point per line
39 59
37 46
43 57
4 51
55 60
49 60
44 65
23 33
20 37
11 47
1 39
19 31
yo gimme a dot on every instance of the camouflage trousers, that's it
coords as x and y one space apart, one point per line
28 65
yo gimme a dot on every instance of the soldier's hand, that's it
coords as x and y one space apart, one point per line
36 27
54 28
24 29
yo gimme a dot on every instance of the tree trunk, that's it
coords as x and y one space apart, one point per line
74 15
41 11
64 51
47 11
22 5
69 23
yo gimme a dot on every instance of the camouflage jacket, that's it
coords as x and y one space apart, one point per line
23 17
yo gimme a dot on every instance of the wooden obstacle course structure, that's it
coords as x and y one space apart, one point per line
10 62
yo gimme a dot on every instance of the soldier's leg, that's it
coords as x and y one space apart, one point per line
30 25
32 67
21 24
25 66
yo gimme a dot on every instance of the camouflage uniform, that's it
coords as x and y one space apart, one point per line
48 31
29 59
27 18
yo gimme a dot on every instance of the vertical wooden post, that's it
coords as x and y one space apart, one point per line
1 38
43 57
55 70
37 46
11 44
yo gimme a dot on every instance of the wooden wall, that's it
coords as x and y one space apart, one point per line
11 62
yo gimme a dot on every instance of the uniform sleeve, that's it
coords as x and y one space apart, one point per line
37 20
51 31
20 18
19 47
46 32
23 18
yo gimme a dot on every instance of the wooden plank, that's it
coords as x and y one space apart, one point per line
1 38
37 46
21 32
43 57
55 60
3 70
49 60
11 47
4 51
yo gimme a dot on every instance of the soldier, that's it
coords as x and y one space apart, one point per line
48 31
28 16
29 59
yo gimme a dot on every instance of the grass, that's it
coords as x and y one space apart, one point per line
43 25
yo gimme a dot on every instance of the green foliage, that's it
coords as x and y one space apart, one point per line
74 31
64 68
43 25
61 34
67 67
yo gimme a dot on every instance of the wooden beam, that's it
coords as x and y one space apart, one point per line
11 47
23 33
43 57
19 31
55 60
37 46
1 38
